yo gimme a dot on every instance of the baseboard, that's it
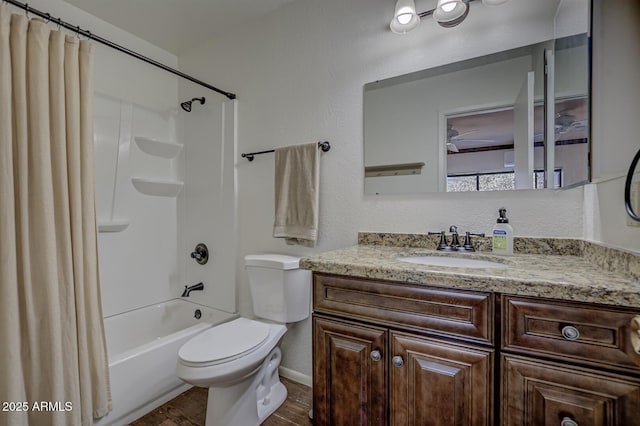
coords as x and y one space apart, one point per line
295 376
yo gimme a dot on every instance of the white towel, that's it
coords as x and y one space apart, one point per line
297 182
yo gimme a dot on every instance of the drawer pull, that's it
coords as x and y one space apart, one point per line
569 332
397 361
376 356
635 334
567 421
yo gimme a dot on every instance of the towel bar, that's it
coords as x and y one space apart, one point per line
325 146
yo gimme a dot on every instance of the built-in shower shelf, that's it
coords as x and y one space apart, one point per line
158 148
116 225
157 187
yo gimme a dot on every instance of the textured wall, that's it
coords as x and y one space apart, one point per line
616 108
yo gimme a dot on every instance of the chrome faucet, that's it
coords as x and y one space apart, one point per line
188 290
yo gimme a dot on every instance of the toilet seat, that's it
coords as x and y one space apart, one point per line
224 343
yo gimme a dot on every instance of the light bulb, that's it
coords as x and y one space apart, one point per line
404 18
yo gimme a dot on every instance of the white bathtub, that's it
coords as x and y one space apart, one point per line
143 348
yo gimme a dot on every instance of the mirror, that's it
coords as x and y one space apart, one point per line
496 122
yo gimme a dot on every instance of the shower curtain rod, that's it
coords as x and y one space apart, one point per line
109 43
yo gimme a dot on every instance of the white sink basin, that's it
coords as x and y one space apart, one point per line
451 262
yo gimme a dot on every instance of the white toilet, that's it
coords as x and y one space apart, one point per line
238 360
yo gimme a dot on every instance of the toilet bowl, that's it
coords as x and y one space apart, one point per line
238 361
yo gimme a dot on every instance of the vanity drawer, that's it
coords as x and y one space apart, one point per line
586 333
441 311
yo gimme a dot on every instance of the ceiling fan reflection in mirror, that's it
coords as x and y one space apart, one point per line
566 122
452 133
457 140
566 126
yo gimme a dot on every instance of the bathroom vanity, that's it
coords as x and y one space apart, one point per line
547 339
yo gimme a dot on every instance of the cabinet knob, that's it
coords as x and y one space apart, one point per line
569 332
635 334
397 361
376 356
567 421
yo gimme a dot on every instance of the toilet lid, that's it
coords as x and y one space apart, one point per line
224 341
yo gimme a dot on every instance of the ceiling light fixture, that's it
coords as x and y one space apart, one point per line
405 19
450 13
447 13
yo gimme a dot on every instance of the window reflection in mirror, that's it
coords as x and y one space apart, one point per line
480 148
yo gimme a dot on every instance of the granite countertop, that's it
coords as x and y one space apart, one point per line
575 277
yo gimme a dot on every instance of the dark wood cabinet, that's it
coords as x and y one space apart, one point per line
392 353
568 364
349 374
374 365
464 315
538 393
434 382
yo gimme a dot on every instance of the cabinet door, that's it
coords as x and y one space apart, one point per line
349 374
438 383
537 393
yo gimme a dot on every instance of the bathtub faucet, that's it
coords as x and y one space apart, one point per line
187 290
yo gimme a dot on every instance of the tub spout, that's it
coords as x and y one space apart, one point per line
189 289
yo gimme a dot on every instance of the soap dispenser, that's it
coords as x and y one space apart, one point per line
502 234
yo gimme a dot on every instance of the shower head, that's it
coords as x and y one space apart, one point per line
187 105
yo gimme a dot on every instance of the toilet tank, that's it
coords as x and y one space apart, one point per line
280 291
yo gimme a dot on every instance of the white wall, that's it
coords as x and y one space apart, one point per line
616 108
299 75
138 265
207 206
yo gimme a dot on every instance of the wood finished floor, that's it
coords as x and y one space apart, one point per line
189 409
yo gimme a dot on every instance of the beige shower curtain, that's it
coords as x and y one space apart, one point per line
53 361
